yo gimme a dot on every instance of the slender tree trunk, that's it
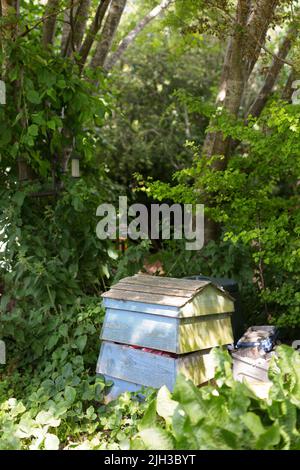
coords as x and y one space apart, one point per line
243 50
80 22
92 32
76 19
266 90
108 33
232 84
65 38
128 40
272 75
258 23
288 88
50 22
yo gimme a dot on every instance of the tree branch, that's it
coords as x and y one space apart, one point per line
125 43
257 26
43 20
288 88
75 28
108 33
272 75
65 30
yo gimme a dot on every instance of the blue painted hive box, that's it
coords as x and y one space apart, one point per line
156 327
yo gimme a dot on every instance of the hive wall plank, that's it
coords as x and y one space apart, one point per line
152 370
118 387
204 333
165 333
136 366
198 368
141 329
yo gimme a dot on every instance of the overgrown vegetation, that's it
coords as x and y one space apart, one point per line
226 415
130 113
256 200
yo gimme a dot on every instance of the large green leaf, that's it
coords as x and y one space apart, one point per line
165 406
156 438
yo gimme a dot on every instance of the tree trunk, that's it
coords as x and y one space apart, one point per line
92 32
66 28
76 19
272 75
288 88
80 22
108 33
243 50
50 16
232 85
128 40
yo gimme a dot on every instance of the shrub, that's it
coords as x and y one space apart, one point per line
256 200
226 415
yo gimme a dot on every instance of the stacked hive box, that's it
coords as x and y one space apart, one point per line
156 327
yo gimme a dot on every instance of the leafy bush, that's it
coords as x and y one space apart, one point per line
226 415
256 200
51 397
67 411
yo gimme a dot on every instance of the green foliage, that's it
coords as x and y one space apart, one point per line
132 260
226 415
255 199
49 104
55 398
151 121
53 268
193 18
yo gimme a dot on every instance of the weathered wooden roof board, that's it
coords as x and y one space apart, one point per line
168 296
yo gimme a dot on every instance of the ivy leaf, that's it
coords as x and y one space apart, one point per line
70 394
270 438
33 97
254 424
46 418
63 330
81 342
33 130
5 135
51 442
165 405
157 439
52 341
18 198
149 418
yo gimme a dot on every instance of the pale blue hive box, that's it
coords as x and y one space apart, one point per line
183 318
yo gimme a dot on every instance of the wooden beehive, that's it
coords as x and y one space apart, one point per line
181 318
174 315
